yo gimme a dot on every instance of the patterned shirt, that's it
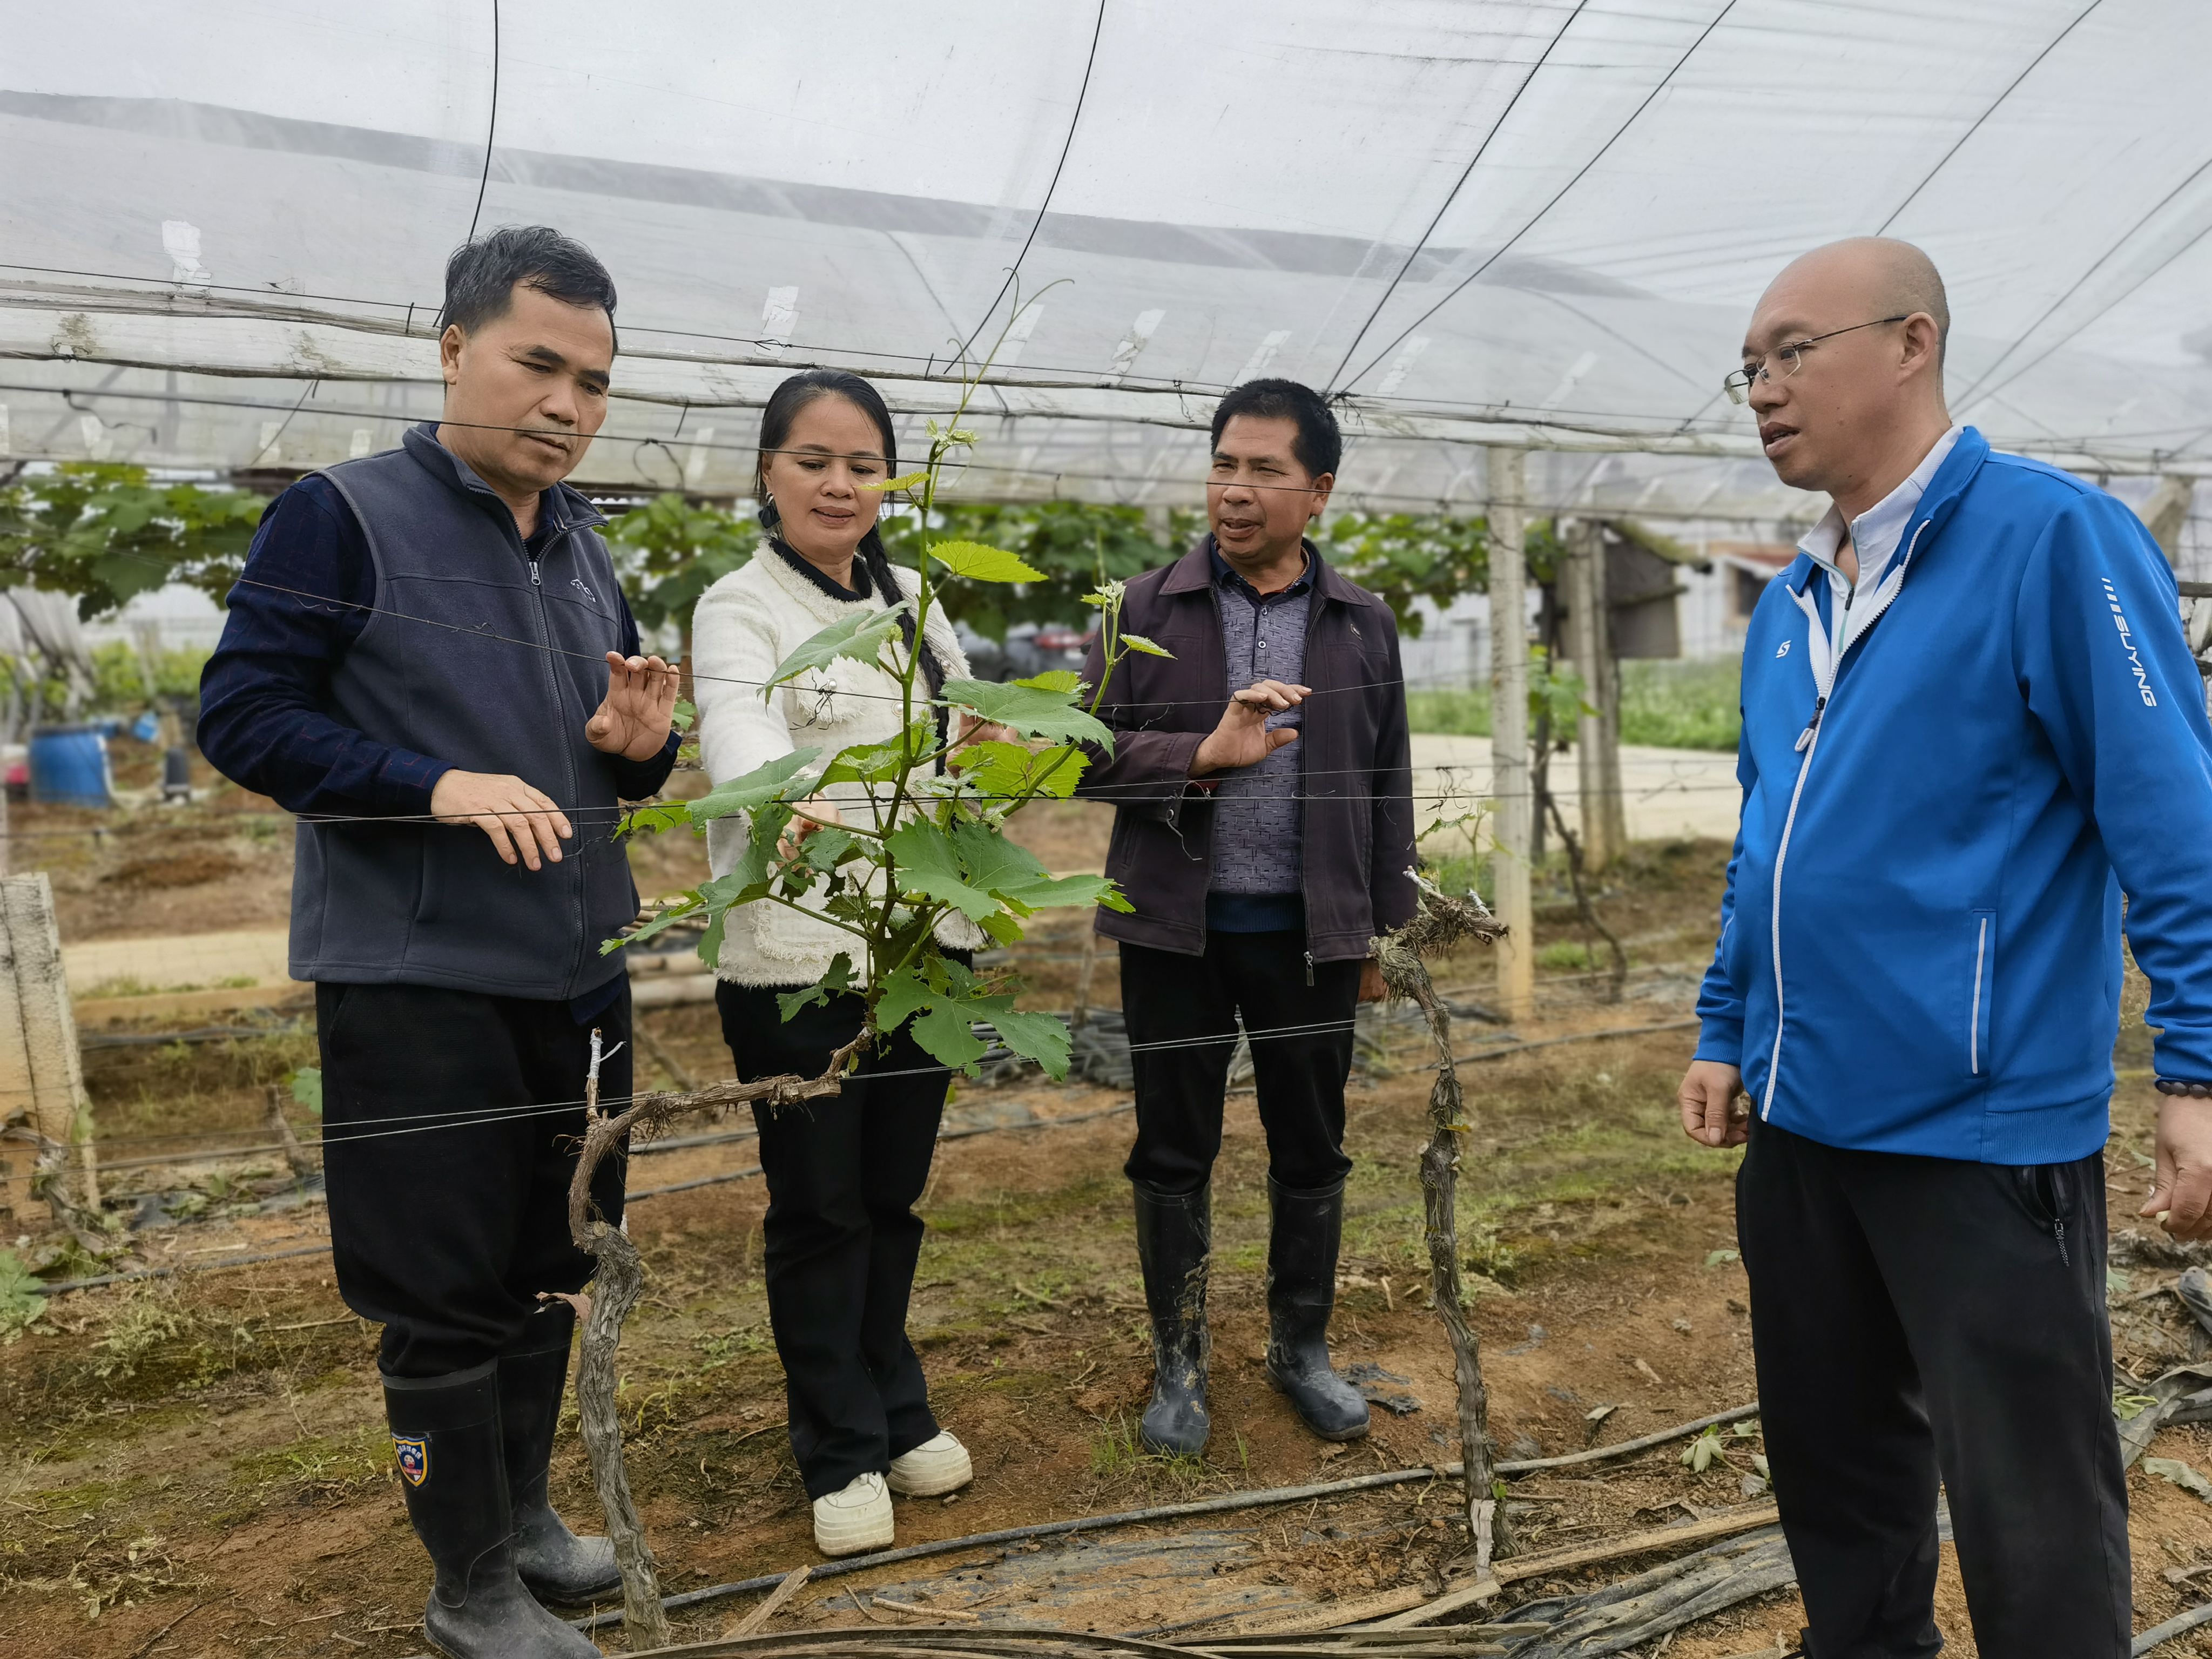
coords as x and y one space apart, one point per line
1256 810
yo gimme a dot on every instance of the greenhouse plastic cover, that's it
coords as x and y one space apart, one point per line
1481 222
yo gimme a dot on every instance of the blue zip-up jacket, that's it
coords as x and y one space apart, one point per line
1920 941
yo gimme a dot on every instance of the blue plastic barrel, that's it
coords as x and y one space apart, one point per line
69 767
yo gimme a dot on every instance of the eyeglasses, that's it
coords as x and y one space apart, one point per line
1783 361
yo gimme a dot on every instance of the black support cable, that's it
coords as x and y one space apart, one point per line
1465 174
1559 196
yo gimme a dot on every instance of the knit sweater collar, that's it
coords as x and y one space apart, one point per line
862 588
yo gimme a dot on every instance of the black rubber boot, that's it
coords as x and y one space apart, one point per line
556 1564
446 1432
1174 1237
1302 1243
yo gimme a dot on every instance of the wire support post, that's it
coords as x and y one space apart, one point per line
47 1155
1514 819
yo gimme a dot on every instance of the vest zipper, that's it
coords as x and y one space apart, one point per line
1807 742
1309 968
553 685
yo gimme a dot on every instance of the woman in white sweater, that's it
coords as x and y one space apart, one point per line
843 1175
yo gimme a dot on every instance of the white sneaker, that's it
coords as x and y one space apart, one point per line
936 1466
856 1519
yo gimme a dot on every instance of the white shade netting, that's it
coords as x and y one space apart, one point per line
1482 222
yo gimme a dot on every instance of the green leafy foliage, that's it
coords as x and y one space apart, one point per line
670 550
1070 545
978 563
1030 710
103 532
21 1306
1010 770
308 1088
835 982
926 840
859 638
1401 557
946 1000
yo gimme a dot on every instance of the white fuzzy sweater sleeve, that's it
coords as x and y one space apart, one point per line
735 646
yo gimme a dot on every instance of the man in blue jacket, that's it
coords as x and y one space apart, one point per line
1971 724
428 659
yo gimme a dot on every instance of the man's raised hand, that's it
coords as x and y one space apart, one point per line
520 820
1708 1097
1243 738
632 719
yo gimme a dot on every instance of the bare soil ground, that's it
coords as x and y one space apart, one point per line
198 1465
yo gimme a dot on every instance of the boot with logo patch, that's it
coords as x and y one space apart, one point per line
1175 1239
446 1434
558 1566
1304 1230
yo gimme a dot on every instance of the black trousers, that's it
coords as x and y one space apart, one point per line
841 1234
1301 1056
449 1196
1919 1317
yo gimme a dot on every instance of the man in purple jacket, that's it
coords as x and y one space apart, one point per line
1265 835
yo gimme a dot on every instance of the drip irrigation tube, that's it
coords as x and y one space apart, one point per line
2157 1636
1227 1502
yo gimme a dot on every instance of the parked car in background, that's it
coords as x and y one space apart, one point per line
1029 648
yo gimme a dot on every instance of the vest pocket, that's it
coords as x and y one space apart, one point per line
429 883
1980 991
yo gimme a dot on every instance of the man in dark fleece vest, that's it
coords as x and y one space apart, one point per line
428 660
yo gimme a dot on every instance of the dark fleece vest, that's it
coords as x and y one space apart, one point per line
480 657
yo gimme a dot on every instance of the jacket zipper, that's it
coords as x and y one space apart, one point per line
1310 979
1807 742
1974 1016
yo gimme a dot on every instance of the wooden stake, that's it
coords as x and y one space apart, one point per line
793 1582
40 1063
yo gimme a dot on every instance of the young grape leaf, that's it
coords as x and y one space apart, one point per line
836 981
757 789
858 638
946 1005
825 849
929 864
1139 642
904 481
981 563
877 762
1010 872
683 716
652 817
1012 770
1055 679
661 923
1029 709
1040 1037
308 1088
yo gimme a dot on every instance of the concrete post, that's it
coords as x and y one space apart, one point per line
1513 817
